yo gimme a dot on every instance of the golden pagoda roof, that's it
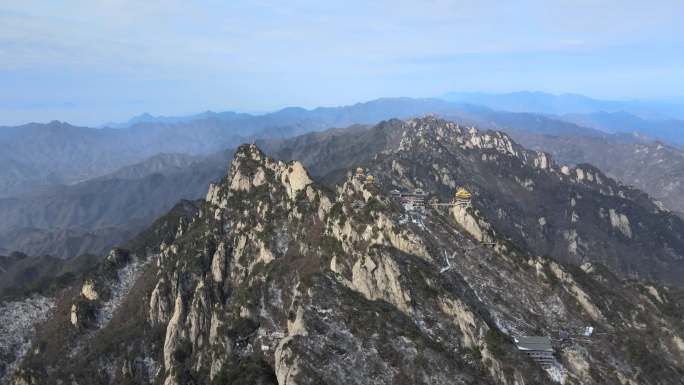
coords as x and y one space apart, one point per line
462 193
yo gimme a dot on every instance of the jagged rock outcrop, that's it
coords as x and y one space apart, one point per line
477 228
279 279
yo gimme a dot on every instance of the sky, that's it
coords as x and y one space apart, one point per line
94 61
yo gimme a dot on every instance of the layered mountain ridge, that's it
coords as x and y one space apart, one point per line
276 278
66 221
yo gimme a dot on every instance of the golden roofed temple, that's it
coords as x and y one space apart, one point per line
462 194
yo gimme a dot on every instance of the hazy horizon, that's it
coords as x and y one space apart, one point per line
107 61
126 119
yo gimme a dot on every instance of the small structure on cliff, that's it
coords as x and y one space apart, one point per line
461 198
462 195
538 348
411 200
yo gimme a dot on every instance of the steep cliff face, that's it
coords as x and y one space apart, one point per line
277 279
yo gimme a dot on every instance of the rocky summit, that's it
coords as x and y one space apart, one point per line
451 256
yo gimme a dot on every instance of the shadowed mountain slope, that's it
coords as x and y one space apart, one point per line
93 216
653 167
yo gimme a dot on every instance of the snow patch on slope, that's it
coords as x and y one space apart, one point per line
127 277
17 321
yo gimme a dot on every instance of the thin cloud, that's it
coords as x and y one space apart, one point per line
254 55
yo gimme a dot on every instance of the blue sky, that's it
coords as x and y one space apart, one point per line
93 61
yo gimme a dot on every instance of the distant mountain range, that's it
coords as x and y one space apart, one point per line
34 156
658 120
654 119
545 103
71 190
667 130
147 118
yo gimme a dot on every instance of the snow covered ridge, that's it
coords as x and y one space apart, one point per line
17 321
103 293
120 289
117 288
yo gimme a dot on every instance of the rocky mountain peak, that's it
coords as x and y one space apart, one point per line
436 131
251 169
432 134
278 279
